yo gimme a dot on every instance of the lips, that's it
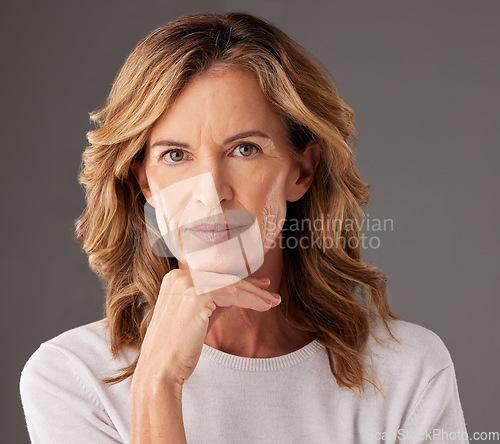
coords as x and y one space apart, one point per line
215 233
213 227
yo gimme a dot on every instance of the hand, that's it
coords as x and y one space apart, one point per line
182 318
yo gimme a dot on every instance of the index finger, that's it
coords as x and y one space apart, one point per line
207 281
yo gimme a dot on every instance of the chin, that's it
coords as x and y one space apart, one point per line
225 258
239 256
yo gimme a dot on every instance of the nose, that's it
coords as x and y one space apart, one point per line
216 190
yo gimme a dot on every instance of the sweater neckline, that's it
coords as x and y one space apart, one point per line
261 364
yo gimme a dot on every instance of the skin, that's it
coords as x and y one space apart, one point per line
255 173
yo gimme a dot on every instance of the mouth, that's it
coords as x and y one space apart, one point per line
214 229
215 233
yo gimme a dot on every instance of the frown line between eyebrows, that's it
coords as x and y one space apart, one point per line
173 143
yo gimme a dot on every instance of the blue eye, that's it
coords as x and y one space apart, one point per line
248 149
179 155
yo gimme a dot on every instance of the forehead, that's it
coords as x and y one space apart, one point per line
219 103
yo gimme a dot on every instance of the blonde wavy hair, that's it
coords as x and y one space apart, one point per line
327 291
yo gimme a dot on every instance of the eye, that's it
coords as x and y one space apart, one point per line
174 155
246 149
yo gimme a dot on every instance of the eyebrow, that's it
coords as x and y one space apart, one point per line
165 143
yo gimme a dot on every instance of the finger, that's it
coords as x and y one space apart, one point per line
262 282
240 297
245 295
249 286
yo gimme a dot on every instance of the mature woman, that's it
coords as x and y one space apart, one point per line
232 315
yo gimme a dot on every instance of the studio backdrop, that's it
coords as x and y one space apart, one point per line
422 78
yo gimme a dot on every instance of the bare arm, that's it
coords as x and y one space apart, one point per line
156 412
172 346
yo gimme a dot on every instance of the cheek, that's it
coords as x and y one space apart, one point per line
157 179
267 190
266 198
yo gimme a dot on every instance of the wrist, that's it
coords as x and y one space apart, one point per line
154 385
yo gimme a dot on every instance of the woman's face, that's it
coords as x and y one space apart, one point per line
219 173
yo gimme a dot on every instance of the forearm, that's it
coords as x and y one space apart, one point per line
156 414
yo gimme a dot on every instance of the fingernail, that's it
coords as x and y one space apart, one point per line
276 296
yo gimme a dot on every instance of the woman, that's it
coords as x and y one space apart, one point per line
231 316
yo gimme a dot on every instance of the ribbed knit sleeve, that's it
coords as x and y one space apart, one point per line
59 405
437 417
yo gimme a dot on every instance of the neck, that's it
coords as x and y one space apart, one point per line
250 333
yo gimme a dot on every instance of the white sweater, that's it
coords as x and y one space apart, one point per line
292 398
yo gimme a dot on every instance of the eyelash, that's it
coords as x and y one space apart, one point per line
258 150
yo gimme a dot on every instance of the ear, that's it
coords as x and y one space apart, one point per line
307 164
139 171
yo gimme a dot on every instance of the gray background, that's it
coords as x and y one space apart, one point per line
422 77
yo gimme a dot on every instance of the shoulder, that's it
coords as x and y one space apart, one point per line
86 343
416 350
84 350
418 375
91 341
419 341
92 335
61 388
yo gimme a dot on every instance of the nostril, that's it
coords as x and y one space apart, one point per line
211 202
211 189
